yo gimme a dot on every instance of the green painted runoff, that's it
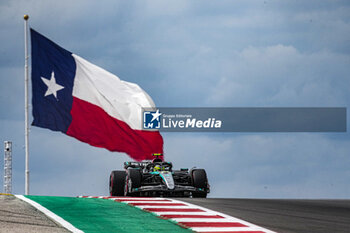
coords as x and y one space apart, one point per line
102 215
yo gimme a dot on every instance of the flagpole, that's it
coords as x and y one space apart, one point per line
26 131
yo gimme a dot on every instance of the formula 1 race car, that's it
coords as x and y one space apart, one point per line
156 178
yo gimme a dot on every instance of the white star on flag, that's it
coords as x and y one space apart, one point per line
52 86
156 115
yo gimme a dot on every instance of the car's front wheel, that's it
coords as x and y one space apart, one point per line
133 180
117 183
200 180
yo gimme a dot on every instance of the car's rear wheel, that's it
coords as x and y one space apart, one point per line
200 180
134 179
117 183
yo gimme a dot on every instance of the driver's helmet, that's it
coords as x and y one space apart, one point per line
156 168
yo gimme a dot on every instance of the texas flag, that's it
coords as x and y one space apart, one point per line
88 103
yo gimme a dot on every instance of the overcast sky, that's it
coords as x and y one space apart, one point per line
193 53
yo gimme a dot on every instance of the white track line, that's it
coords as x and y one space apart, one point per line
51 215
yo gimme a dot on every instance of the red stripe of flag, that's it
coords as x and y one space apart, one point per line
212 224
91 124
173 210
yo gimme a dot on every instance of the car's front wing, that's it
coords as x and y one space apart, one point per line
164 188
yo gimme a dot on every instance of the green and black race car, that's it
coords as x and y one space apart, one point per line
156 178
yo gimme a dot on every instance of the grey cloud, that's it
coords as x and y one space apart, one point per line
282 76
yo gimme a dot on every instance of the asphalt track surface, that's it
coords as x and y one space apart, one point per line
285 216
17 216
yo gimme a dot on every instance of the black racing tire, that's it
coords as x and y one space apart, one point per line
134 179
117 183
200 180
